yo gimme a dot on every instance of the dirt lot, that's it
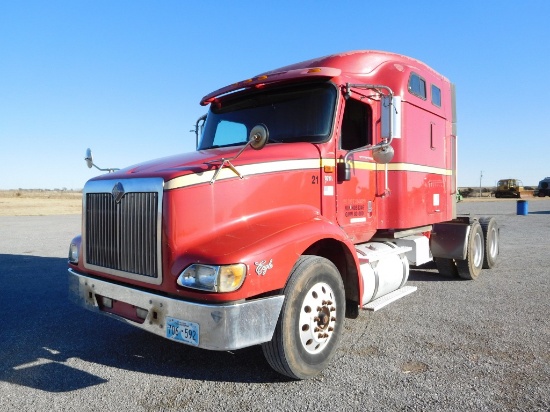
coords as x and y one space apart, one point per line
39 202
68 202
453 345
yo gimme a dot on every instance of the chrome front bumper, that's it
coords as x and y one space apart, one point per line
222 326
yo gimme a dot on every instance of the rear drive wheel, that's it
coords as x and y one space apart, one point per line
491 236
311 320
470 268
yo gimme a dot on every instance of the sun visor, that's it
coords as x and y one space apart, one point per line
272 77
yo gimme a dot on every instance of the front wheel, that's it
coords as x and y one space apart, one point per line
310 324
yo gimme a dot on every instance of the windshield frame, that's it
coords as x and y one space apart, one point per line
248 109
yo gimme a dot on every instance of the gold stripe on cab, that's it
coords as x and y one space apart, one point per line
245 170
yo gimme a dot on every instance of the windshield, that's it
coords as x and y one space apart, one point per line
297 114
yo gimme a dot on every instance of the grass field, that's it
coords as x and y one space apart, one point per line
39 202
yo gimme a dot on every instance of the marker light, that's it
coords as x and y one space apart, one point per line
73 253
226 278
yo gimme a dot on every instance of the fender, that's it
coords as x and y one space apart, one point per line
269 244
449 239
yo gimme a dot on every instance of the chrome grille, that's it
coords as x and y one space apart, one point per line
123 238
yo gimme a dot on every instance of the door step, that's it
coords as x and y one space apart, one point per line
389 298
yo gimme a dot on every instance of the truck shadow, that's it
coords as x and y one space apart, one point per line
429 273
47 341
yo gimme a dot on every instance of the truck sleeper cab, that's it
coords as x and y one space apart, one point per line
313 189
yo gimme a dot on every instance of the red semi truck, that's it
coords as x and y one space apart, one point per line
313 189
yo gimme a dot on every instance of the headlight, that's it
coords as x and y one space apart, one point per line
73 253
225 278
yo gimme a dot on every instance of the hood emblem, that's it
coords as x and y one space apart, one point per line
118 192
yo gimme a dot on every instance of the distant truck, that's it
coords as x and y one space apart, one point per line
509 188
543 189
312 190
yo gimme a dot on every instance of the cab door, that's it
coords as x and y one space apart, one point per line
355 198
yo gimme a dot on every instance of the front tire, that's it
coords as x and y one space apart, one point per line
312 317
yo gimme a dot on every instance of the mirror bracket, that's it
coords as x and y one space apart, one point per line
90 162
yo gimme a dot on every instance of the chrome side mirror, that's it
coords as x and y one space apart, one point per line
259 135
90 162
88 158
384 155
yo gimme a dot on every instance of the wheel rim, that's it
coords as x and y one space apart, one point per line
317 318
478 250
493 243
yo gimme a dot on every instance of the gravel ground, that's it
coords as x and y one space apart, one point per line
452 345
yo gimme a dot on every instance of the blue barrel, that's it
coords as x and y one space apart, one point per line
523 207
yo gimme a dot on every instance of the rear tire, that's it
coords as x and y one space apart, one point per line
470 268
492 241
312 317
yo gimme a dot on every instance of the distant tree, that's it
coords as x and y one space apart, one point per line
466 192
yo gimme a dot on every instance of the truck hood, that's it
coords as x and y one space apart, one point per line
203 161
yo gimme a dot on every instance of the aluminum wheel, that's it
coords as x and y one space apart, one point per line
317 318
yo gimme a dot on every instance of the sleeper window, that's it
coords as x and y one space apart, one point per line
436 96
417 86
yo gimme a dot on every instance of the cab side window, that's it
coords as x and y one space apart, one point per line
356 130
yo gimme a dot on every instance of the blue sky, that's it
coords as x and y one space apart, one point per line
125 77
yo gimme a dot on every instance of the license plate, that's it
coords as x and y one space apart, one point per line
182 331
